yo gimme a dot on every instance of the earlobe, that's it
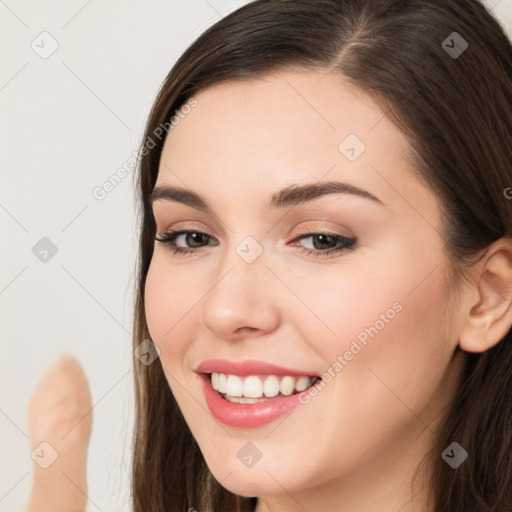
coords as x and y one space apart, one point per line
490 318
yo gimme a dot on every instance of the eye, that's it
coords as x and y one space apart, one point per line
194 237
324 244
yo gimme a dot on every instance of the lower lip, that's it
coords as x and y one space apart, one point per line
246 415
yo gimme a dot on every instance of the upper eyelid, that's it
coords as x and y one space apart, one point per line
303 231
190 226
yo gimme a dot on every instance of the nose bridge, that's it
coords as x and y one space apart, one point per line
241 295
246 262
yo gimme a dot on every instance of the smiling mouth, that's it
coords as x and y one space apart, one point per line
253 389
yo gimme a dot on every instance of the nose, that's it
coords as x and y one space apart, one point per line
242 300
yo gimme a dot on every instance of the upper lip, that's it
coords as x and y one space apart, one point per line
248 367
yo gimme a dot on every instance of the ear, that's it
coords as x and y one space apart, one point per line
490 316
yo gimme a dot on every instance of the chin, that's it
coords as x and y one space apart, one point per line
251 482
248 487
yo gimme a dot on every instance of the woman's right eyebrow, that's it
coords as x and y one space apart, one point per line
291 195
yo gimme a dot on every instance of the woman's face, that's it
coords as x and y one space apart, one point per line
259 286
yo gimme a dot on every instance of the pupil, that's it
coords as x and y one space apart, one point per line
321 237
192 236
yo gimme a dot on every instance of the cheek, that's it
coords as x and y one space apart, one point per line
156 304
380 326
168 305
339 305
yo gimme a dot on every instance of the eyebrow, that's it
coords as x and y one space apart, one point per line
292 195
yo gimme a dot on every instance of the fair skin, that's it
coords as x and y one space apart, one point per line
60 414
243 142
355 446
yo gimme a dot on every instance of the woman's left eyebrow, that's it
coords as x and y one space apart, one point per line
291 195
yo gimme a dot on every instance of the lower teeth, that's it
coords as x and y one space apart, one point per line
247 400
244 399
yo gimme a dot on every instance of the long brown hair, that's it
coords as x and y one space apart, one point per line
456 111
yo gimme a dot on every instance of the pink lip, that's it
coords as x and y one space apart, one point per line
246 415
248 367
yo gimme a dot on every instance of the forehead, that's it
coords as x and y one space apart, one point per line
262 134
283 109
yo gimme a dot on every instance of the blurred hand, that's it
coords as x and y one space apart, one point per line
60 417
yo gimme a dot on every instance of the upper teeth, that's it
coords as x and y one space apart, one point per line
255 386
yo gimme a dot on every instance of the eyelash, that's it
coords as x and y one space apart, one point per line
169 239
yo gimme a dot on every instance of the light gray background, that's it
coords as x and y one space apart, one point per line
68 123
